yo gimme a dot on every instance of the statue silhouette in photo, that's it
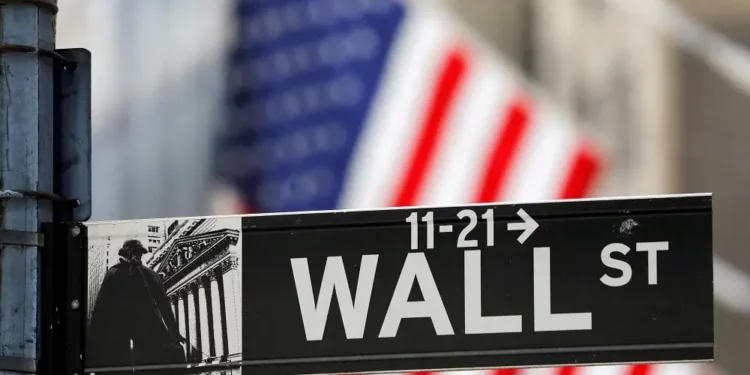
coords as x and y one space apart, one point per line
132 323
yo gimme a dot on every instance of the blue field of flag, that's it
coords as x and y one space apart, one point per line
302 80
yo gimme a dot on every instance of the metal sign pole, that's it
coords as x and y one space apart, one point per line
27 41
45 176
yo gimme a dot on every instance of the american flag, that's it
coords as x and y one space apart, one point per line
375 103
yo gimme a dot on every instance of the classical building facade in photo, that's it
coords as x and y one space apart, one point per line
200 267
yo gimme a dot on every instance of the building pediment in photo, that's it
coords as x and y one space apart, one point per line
187 253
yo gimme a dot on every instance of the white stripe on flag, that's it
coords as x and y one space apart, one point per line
458 168
539 371
379 160
604 370
678 369
545 157
224 200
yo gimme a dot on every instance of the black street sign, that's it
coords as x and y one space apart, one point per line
480 286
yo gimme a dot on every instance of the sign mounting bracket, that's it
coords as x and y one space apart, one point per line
63 301
21 238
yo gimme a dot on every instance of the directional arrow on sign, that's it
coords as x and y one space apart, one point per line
528 226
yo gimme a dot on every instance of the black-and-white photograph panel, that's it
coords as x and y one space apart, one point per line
165 295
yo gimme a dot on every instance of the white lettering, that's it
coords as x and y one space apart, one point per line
475 323
353 314
416 268
544 320
652 248
610 262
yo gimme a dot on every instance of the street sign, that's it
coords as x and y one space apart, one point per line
417 288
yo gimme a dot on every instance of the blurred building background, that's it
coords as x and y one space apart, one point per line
666 97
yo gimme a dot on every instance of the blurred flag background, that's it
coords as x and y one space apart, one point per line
373 103
237 106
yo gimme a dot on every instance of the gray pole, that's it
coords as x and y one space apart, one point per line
25 164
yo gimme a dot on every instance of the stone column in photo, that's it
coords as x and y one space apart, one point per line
233 302
181 314
223 309
204 319
186 319
192 319
215 298
198 317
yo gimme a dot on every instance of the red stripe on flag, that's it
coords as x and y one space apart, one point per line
567 370
584 170
506 371
243 209
451 76
515 126
640 369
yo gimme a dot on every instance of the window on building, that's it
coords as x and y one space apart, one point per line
153 229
